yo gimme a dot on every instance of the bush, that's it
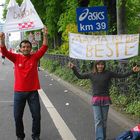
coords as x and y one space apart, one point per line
133 108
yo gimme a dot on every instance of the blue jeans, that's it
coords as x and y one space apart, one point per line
100 120
20 99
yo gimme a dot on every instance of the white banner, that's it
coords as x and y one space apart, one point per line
23 18
103 47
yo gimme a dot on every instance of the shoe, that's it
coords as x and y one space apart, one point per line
20 138
36 138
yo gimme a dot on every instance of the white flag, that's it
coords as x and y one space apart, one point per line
22 18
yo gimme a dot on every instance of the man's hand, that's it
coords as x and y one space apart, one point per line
2 39
45 33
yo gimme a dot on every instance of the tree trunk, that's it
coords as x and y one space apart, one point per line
83 3
121 17
57 40
111 7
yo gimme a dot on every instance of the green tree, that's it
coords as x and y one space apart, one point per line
133 16
68 16
51 14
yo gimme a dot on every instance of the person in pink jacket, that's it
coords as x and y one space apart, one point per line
26 83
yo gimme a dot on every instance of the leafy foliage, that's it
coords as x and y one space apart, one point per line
133 16
68 16
96 3
134 108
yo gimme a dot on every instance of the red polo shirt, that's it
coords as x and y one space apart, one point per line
25 69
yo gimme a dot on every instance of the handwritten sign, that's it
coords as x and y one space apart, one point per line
22 18
103 47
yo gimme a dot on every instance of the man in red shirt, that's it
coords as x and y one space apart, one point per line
26 83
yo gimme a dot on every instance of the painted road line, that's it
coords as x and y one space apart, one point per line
63 129
6 101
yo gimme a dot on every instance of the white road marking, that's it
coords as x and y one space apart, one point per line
6 101
63 129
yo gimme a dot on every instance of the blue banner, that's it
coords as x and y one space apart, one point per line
92 19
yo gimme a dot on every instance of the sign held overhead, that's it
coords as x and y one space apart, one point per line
22 18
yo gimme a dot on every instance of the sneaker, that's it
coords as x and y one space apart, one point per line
20 138
36 138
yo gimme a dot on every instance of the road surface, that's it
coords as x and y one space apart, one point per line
66 111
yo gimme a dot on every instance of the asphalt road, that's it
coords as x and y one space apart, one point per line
66 111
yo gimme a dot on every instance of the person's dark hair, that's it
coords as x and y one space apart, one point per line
25 41
98 62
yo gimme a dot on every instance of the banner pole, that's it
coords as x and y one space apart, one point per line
21 36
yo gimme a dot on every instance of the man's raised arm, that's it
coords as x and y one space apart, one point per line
45 33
